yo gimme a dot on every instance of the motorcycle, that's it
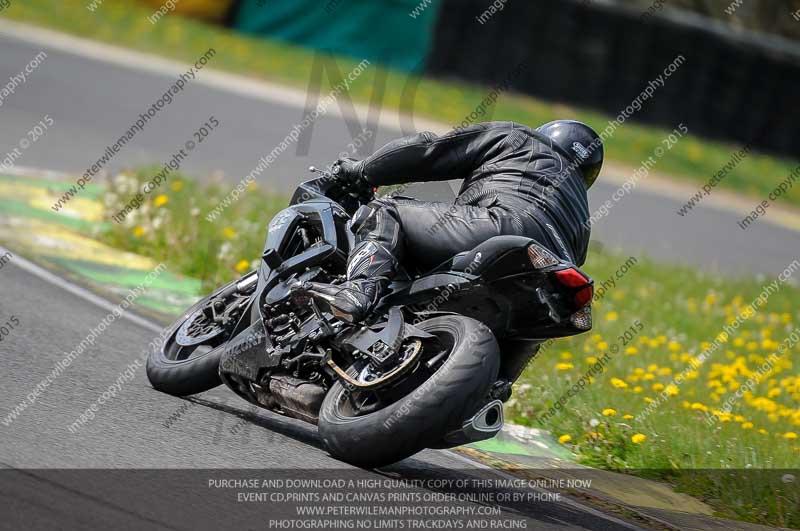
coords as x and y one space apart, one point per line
424 370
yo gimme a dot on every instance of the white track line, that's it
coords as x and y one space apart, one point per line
83 293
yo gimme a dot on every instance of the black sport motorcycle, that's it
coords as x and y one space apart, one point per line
425 370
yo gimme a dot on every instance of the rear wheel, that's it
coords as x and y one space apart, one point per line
187 362
453 375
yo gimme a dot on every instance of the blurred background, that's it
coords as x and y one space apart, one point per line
745 63
696 211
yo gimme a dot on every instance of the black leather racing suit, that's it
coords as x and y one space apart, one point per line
516 182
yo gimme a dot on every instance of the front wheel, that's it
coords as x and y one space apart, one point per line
187 361
452 377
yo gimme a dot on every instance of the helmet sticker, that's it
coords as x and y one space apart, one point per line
580 150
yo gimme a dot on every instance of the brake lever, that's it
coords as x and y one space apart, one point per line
324 173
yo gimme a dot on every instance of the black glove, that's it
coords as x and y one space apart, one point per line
350 171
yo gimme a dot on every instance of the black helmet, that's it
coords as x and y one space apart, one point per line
581 142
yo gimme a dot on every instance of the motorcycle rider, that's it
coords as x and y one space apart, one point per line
517 181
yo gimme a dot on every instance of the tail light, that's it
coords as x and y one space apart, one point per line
572 278
541 257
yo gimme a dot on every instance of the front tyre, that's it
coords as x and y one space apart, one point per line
420 418
187 361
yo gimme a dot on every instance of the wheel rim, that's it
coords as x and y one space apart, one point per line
196 336
350 405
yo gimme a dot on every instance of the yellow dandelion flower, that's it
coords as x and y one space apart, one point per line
619 384
648 400
790 435
627 417
138 232
564 366
631 351
657 387
564 439
602 345
612 316
672 390
242 266
747 425
638 389
229 233
649 376
697 406
161 200
639 438
608 412
176 186
566 355
762 431
674 346
591 360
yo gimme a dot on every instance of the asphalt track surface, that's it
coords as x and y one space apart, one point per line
92 103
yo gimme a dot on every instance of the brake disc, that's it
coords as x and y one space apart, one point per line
366 379
196 329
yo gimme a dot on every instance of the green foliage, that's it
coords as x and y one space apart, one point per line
682 312
171 225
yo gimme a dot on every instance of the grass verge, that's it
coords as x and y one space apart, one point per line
170 226
689 440
732 450
124 23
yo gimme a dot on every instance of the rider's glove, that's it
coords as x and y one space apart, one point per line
349 170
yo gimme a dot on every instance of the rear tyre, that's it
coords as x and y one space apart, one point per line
422 417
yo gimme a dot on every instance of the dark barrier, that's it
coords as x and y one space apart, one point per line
730 87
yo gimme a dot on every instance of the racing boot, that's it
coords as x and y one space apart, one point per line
370 269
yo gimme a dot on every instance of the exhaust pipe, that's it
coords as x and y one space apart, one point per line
481 426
